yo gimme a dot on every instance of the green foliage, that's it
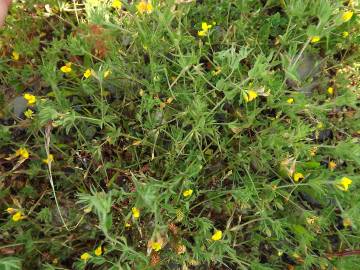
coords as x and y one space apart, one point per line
195 134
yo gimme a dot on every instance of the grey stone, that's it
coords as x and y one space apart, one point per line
19 105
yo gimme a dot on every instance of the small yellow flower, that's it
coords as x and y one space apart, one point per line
217 235
144 7
116 4
347 15
345 34
29 114
344 184
320 125
250 95
188 193
85 256
330 91
202 33
313 151
107 73
49 159
135 212
204 29
15 56
156 246
347 222
11 210
17 216
98 251
127 225
290 101
31 99
332 165
87 73
298 176
67 68
315 39
216 72
22 152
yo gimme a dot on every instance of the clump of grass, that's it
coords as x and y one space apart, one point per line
160 135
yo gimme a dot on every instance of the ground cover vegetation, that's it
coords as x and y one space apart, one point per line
180 135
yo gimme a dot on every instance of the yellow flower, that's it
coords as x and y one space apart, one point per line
315 39
205 26
217 235
347 222
22 152
11 210
87 73
66 68
332 165
116 4
347 15
15 56
49 159
18 216
107 73
298 176
344 184
345 34
313 151
156 246
188 193
320 125
29 114
135 212
31 99
202 33
144 7
98 251
330 91
216 72
250 96
127 225
85 256
204 29
290 101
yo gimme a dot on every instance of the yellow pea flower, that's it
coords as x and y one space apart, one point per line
127 225
29 114
107 73
290 101
135 212
332 165
250 95
188 193
330 91
31 99
85 256
217 235
87 73
49 159
15 56
344 184
204 29
347 15
17 216
156 246
345 34
315 39
144 7
298 176
67 68
11 210
22 152
116 4
98 251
